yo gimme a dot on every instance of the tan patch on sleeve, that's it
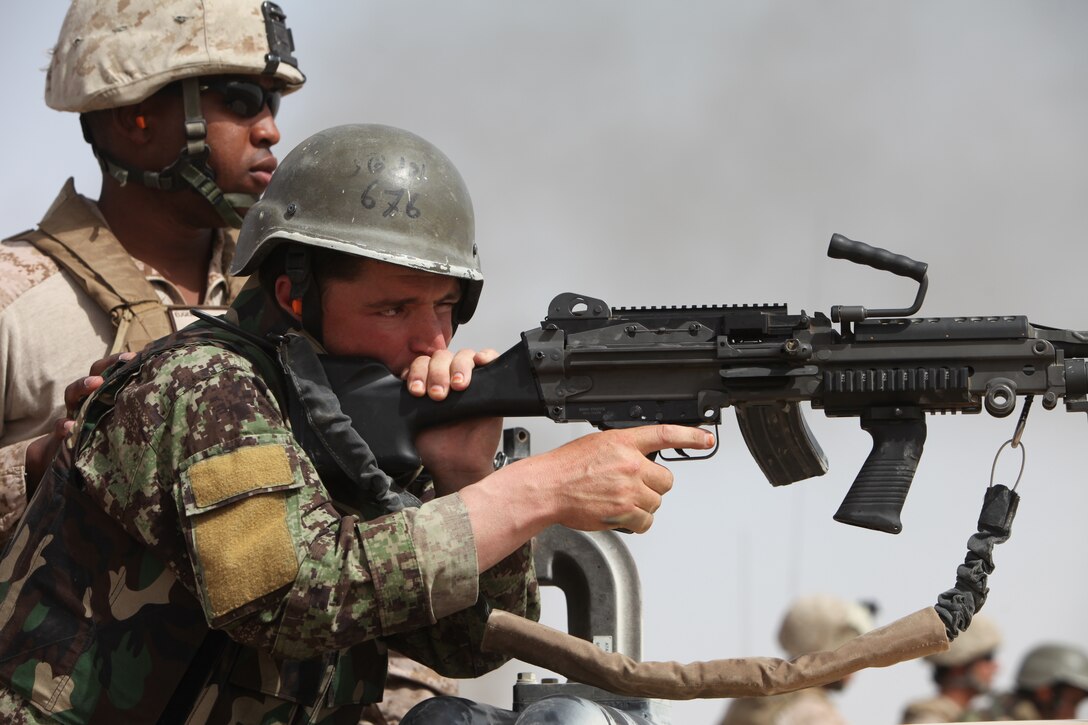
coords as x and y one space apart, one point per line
245 469
245 551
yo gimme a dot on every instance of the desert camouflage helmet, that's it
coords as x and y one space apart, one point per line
370 191
1052 664
978 640
822 622
114 54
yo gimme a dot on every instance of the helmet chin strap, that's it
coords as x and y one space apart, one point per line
189 170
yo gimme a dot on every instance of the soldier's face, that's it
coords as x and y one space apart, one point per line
1067 702
983 671
390 313
240 136
240 144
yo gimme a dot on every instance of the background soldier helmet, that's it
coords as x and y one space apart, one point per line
822 622
1052 664
978 640
370 191
113 54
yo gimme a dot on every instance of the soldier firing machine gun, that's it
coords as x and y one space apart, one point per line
620 367
623 367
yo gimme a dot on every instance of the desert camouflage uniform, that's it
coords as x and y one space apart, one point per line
934 709
52 328
191 504
804 707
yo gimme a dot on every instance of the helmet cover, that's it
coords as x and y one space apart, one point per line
822 622
111 54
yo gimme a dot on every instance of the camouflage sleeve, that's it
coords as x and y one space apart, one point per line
199 463
452 646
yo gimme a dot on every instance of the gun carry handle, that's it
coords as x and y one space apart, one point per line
877 495
870 256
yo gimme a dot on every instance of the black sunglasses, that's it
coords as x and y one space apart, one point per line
244 98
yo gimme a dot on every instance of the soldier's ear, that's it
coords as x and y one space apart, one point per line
135 123
290 305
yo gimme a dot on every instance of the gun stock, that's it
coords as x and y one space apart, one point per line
388 417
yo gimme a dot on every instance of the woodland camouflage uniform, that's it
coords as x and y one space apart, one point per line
186 500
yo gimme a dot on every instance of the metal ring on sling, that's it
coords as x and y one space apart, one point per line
1023 458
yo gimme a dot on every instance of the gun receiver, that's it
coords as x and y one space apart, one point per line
620 367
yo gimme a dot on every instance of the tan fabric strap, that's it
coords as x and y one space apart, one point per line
108 275
917 635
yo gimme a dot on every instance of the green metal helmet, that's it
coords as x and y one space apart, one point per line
1052 664
822 622
370 191
977 641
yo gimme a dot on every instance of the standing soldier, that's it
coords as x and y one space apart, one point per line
812 624
961 673
177 100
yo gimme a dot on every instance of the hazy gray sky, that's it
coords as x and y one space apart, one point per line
704 152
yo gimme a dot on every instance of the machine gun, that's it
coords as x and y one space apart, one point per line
621 367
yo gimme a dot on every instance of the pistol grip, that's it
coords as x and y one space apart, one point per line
877 495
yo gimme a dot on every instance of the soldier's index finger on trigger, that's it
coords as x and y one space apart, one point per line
652 438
